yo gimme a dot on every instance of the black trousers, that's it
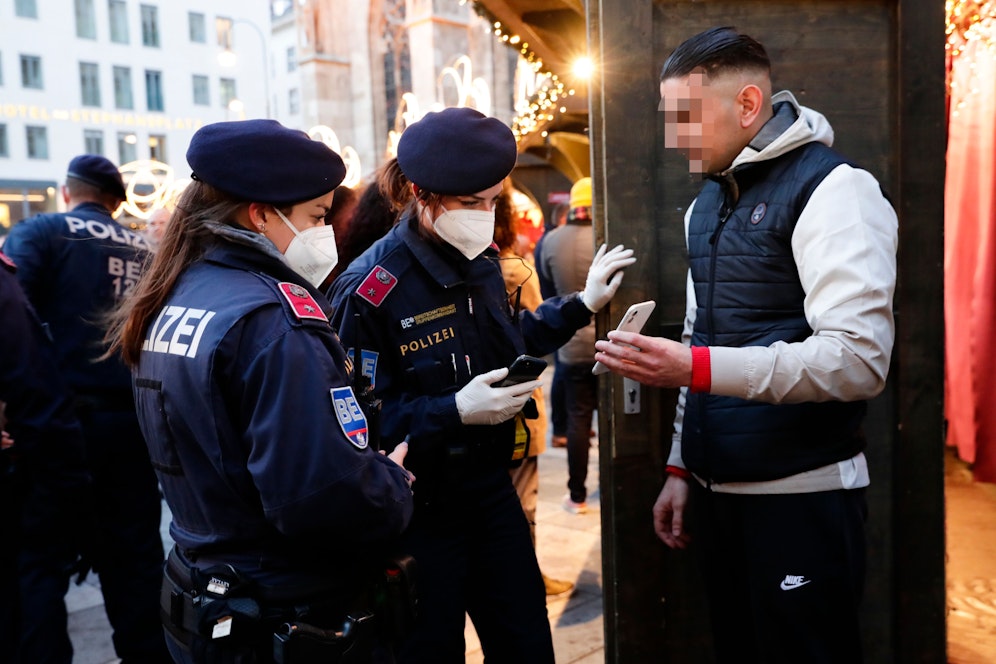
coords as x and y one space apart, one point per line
475 557
124 543
784 574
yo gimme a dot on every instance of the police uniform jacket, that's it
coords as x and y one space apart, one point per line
255 434
74 267
45 471
426 320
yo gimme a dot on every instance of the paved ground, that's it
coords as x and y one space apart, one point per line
569 548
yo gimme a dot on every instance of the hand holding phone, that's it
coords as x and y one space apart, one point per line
632 321
524 368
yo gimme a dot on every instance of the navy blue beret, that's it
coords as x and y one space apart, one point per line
456 151
99 172
264 162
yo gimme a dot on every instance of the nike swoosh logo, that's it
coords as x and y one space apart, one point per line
793 586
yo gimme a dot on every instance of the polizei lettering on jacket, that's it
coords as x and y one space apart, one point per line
103 231
177 331
428 340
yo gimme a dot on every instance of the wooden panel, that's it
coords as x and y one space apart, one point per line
875 69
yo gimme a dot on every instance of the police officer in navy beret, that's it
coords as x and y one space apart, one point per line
278 499
75 267
427 318
43 485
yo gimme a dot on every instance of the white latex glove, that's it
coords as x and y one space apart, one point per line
598 289
479 403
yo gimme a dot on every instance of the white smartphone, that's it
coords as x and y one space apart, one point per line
632 321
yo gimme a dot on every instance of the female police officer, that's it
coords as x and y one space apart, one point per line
426 311
240 384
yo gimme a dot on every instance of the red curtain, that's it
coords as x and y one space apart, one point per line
970 260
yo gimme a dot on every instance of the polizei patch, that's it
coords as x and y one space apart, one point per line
350 416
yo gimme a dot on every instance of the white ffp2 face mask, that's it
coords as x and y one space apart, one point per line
469 231
312 253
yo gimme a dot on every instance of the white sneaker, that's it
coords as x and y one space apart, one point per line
573 507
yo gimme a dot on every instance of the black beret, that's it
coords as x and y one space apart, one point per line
99 172
456 151
264 162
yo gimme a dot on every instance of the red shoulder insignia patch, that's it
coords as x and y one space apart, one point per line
377 285
7 261
301 302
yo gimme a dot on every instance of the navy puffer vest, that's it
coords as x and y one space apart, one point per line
748 293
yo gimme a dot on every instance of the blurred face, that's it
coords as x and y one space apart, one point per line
701 120
302 216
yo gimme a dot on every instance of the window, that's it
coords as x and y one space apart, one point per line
198 28
293 101
31 72
157 147
26 8
150 25
223 27
118 11
122 88
291 59
93 141
86 20
37 142
154 90
201 95
226 88
126 147
90 83
4 149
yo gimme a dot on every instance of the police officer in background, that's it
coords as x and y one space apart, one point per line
43 485
75 267
426 310
279 502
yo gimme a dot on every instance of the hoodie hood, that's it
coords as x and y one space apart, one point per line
791 126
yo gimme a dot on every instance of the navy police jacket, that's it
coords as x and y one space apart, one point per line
74 267
48 457
254 432
426 320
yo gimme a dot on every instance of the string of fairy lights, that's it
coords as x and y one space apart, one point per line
971 32
547 101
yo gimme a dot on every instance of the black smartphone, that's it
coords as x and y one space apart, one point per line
524 368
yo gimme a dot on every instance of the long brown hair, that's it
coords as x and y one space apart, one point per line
187 237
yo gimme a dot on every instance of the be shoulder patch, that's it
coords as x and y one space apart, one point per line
351 419
301 302
377 285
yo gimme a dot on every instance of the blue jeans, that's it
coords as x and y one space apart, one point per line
580 395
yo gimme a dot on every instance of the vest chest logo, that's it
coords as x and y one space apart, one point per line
758 214
427 316
377 284
427 341
350 416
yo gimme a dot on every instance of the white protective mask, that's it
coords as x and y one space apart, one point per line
468 231
312 253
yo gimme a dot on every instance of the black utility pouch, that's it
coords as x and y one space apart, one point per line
301 643
396 597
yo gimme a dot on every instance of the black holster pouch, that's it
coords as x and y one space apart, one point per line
301 643
396 598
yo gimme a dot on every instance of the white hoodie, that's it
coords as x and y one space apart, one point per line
844 246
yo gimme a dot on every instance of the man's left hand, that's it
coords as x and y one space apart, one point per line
652 361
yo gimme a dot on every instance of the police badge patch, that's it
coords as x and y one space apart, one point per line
351 418
301 302
376 285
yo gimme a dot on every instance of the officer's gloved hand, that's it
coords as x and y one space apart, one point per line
480 403
605 275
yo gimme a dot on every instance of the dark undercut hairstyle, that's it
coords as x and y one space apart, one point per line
715 51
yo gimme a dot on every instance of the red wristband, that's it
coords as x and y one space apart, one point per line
678 471
701 369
